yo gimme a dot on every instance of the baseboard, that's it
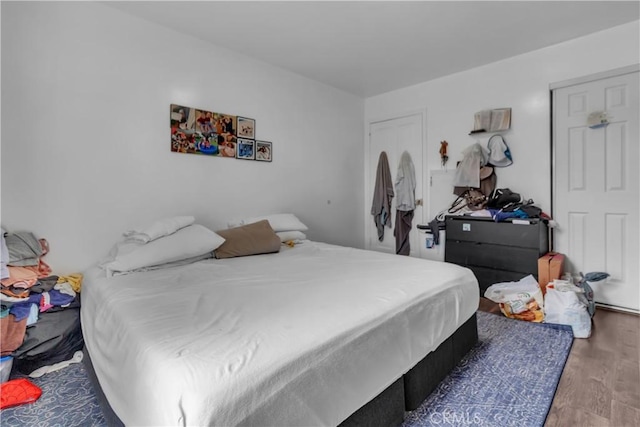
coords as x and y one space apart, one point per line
617 309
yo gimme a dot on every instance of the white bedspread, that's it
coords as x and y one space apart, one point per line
302 337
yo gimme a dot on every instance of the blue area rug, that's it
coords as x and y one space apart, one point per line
67 400
508 379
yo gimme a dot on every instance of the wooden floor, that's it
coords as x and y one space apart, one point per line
600 385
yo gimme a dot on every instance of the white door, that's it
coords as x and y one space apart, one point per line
394 137
596 185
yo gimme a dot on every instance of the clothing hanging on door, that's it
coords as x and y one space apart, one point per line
382 196
406 184
405 204
402 230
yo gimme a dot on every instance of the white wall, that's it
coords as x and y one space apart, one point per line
522 83
86 153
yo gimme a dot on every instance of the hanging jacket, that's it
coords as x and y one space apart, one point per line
406 184
382 196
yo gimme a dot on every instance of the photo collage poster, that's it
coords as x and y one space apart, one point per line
204 132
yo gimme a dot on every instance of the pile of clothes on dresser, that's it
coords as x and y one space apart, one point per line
503 204
40 315
475 185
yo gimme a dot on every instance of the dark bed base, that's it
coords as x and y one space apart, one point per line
386 409
423 378
107 412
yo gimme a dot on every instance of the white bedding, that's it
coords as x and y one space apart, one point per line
301 337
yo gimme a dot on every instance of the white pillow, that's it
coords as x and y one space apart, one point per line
279 222
191 260
296 236
160 228
188 242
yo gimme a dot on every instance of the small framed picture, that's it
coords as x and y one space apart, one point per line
245 149
263 151
246 128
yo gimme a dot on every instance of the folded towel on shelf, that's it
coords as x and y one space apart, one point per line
160 228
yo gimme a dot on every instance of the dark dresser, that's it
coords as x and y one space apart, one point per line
496 251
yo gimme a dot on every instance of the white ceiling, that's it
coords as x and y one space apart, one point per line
368 48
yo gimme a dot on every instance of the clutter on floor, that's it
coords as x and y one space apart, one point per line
550 268
18 392
557 297
522 300
478 197
564 307
570 303
40 316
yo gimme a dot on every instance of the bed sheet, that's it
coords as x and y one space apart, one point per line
301 337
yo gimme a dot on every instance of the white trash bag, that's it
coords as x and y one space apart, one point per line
564 306
518 300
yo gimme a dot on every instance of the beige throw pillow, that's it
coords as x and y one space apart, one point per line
251 239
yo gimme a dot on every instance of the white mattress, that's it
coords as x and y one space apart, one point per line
302 337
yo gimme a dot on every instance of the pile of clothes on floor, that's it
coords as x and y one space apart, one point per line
40 314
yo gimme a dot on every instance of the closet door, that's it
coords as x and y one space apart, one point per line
596 185
394 136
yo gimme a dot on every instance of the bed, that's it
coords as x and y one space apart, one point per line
315 334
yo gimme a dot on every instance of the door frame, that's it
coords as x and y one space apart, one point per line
422 112
560 85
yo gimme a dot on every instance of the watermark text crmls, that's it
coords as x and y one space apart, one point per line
453 418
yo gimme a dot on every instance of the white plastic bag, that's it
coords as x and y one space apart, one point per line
519 300
565 308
